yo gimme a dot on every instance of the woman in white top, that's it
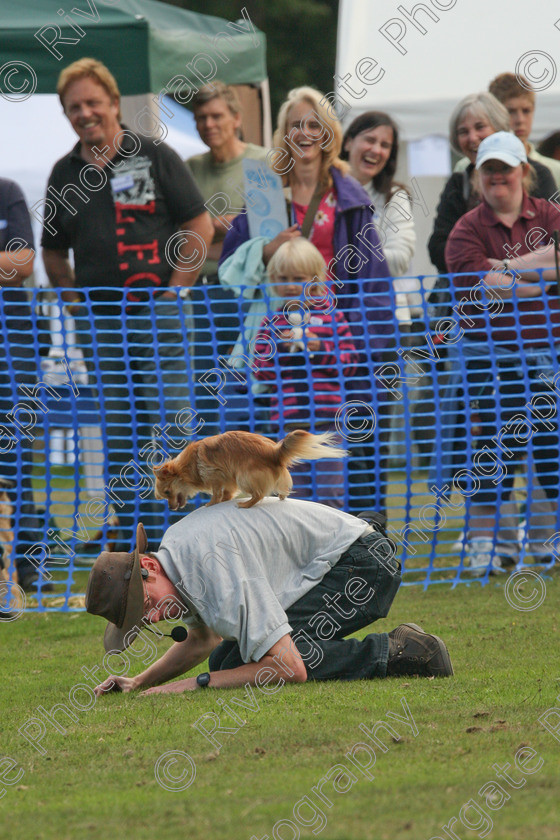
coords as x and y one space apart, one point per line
371 146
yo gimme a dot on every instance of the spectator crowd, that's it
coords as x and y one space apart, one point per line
178 309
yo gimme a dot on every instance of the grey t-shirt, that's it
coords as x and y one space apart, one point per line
242 568
222 186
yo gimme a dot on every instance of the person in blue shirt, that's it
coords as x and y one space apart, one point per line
18 367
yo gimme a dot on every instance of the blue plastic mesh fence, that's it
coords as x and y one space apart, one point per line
441 412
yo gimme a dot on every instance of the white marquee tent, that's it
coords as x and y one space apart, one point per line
460 53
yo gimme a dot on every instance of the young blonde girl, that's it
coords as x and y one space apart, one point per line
305 354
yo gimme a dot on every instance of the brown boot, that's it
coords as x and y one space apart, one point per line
414 652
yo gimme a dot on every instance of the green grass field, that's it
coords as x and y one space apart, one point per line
97 777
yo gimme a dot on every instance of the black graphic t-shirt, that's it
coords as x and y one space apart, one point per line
118 220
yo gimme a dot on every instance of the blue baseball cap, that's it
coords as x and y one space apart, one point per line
504 146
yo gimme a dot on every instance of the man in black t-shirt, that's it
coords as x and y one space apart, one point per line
131 212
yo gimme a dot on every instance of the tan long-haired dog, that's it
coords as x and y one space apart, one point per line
224 465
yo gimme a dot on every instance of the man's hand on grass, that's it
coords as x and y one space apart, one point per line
173 688
124 684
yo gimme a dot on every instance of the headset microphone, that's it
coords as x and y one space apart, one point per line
178 634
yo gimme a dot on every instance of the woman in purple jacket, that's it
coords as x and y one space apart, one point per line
334 211
307 144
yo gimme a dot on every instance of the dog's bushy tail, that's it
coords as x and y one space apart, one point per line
300 445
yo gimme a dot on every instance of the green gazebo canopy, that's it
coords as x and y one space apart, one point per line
144 43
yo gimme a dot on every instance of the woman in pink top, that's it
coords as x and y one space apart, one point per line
306 153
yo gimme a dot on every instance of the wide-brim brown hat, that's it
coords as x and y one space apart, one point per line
115 591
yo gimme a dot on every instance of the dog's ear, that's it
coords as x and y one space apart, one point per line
166 470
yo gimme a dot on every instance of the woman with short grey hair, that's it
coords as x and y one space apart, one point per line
474 118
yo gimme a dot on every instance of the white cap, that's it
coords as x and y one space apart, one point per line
504 146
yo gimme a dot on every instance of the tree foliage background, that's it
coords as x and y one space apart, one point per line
301 38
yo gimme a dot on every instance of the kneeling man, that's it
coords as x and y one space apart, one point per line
268 593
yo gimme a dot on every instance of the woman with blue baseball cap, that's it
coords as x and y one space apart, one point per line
510 321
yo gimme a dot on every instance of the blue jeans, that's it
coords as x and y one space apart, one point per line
327 654
19 365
